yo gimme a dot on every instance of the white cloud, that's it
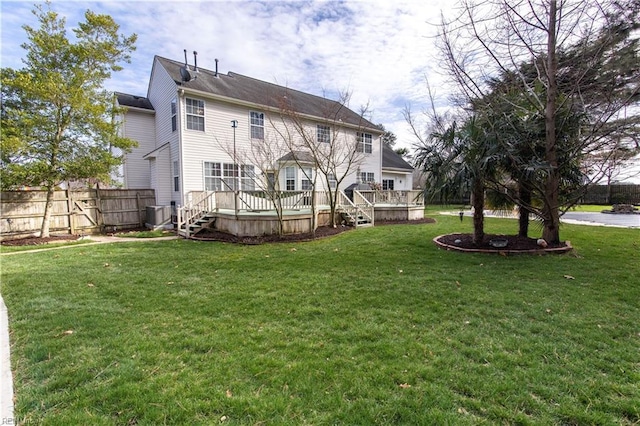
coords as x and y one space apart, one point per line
380 51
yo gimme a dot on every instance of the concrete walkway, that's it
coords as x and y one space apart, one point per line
6 380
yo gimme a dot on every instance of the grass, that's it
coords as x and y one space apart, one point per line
146 234
12 249
375 326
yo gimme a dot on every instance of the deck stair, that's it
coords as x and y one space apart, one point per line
197 214
358 213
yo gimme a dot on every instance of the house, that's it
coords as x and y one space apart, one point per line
202 133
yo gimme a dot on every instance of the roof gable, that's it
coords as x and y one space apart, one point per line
391 160
258 92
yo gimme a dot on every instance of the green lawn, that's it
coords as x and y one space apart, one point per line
374 326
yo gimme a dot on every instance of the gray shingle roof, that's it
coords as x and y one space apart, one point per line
300 156
134 101
247 89
391 160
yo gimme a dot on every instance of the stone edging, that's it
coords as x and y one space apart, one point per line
555 250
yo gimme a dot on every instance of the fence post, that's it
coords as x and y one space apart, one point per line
70 215
140 216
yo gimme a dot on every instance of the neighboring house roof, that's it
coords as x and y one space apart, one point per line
391 160
251 90
300 156
133 101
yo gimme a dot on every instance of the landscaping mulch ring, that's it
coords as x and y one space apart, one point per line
515 244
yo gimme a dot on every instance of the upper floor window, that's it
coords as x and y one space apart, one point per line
387 184
323 133
174 115
195 114
365 143
366 177
257 125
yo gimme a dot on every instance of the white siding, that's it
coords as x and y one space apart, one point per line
139 126
162 90
192 148
402 181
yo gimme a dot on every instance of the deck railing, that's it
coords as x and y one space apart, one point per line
357 208
391 197
199 203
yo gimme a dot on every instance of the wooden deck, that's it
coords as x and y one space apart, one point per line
217 211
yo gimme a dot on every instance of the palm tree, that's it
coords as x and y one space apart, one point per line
456 161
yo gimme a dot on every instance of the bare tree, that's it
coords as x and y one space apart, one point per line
336 147
259 163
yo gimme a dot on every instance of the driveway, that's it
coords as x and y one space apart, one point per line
602 219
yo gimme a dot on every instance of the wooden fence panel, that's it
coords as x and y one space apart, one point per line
75 212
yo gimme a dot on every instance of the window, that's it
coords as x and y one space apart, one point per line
176 176
229 177
271 181
323 133
212 176
307 177
257 125
365 143
174 115
366 177
224 177
333 183
290 178
247 178
195 114
387 184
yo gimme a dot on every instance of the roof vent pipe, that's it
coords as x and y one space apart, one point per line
195 61
185 59
216 67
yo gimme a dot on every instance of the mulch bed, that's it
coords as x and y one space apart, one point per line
515 244
37 241
321 232
213 235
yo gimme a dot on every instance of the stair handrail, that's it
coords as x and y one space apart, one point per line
364 206
194 210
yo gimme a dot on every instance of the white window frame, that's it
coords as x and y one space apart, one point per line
176 176
174 114
256 121
247 177
230 176
323 133
365 142
212 172
333 182
195 114
290 178
306 178
366 177
386 186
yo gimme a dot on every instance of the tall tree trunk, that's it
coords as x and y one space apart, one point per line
48 207
524 194
551 213
478 212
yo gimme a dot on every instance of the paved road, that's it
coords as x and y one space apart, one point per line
623 220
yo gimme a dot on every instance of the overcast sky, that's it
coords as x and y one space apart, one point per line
379 50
